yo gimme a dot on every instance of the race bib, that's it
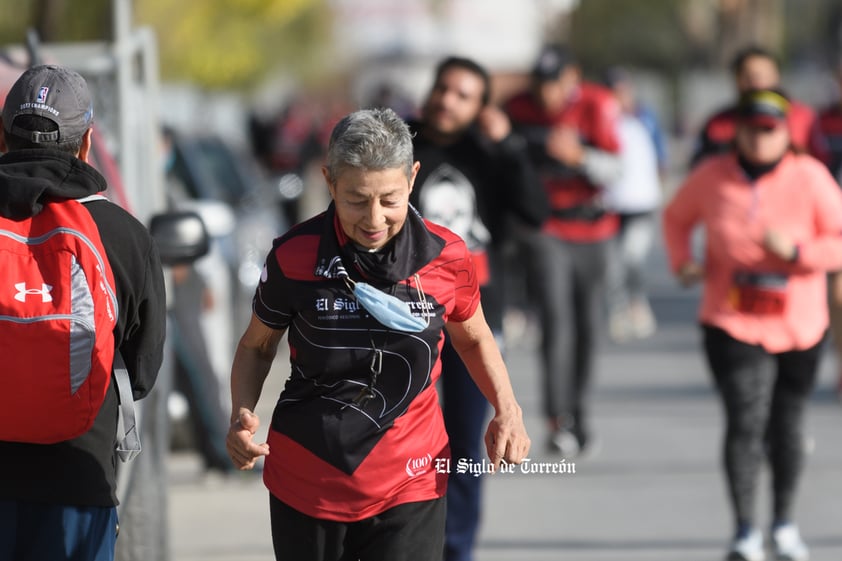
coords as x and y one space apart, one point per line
759 293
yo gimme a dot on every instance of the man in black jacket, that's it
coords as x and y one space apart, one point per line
58 501
476 179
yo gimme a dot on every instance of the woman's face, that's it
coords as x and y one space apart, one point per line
372 205
762 145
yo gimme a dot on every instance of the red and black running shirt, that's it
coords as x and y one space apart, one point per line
331 458
593 111
830 123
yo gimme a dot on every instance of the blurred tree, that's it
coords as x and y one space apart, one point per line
232 44
814 32
743 22
223 44
647 34
55 20
235 43
48 12
669 36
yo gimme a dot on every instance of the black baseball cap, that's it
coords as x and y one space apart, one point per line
552 60
763 108
55 93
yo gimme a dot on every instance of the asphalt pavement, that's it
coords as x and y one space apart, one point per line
652 491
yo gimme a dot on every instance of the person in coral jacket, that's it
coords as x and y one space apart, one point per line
773 227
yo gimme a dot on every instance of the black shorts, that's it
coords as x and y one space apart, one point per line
407 532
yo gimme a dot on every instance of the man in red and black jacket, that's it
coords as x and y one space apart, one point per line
755 68
570 127
830 124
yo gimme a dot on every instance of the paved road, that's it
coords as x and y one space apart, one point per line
653 492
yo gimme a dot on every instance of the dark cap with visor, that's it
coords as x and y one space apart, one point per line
55 93
763 108
552 60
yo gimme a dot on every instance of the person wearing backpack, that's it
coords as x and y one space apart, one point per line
82 285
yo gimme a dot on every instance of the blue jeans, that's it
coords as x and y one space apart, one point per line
464 409
39 532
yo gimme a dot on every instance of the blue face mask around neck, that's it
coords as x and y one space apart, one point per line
388 310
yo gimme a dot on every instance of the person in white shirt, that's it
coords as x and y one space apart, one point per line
636 197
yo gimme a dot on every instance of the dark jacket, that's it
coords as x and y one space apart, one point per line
485 192
499 176
82 471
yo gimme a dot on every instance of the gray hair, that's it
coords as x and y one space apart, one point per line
369 139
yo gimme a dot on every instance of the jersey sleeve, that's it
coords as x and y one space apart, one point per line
823 252
271 303
605 115
466 286
681 215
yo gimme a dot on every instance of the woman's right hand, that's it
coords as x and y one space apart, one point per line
690 273
240 443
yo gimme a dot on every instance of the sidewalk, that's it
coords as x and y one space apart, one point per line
653 492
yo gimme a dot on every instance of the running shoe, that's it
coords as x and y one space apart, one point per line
620 328
643 324
564 442
747 546
788 545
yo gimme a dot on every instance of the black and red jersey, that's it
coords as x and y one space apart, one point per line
830 124
594 113
717 134
333 457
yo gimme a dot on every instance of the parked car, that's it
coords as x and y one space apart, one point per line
209 169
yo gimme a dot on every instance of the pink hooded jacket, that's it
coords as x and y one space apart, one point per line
799 198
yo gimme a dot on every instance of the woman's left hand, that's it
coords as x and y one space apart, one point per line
779 244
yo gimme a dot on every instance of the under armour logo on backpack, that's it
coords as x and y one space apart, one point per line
44 291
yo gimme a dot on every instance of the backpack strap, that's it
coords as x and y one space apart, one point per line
128 438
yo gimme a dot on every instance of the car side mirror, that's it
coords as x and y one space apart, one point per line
181 236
